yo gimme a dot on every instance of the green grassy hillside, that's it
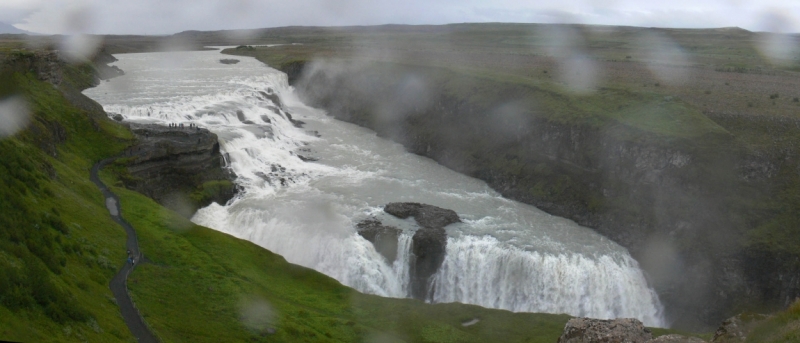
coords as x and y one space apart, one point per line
782 327
57 249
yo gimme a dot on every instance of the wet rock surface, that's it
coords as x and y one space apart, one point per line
429 243
587 330
426 215
429 246
178 167
383 237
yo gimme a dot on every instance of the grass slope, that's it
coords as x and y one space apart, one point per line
782 327
57 251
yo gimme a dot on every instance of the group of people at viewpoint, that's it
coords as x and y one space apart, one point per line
180 125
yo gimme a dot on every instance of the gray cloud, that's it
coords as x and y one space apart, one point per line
165 17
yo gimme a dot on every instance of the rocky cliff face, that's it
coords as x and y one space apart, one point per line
428 245
180 167
682 206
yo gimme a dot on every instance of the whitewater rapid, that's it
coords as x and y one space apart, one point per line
305 188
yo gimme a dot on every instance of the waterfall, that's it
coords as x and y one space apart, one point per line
504 255
480 271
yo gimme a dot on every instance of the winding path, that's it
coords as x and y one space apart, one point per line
118 284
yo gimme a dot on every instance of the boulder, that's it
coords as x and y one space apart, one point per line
429 243
425 215
736 329
676 339
383 238
622 330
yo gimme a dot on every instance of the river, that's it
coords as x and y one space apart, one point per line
304 189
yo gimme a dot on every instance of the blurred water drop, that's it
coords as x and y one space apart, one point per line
561 41
257 314
79 48
510 121
665 58
14 115
579 73
780 49
774 43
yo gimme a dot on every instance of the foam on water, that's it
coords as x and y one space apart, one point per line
504 255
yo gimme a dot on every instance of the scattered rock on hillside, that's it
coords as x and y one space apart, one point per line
383 237
675 339
736 329
587 330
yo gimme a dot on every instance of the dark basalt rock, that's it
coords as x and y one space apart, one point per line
383 237
271 96
425 215
429 246
172 165
307 159
296 123
429 243
228 61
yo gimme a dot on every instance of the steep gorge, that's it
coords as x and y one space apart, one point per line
683 202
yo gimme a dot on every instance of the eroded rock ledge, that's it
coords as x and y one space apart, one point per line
179 167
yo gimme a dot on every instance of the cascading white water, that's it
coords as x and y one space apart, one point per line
504 255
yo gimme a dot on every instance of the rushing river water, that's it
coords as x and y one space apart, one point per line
505 254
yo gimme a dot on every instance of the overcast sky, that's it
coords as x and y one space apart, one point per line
171 16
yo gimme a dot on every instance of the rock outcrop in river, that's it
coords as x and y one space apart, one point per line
429 242
383 238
